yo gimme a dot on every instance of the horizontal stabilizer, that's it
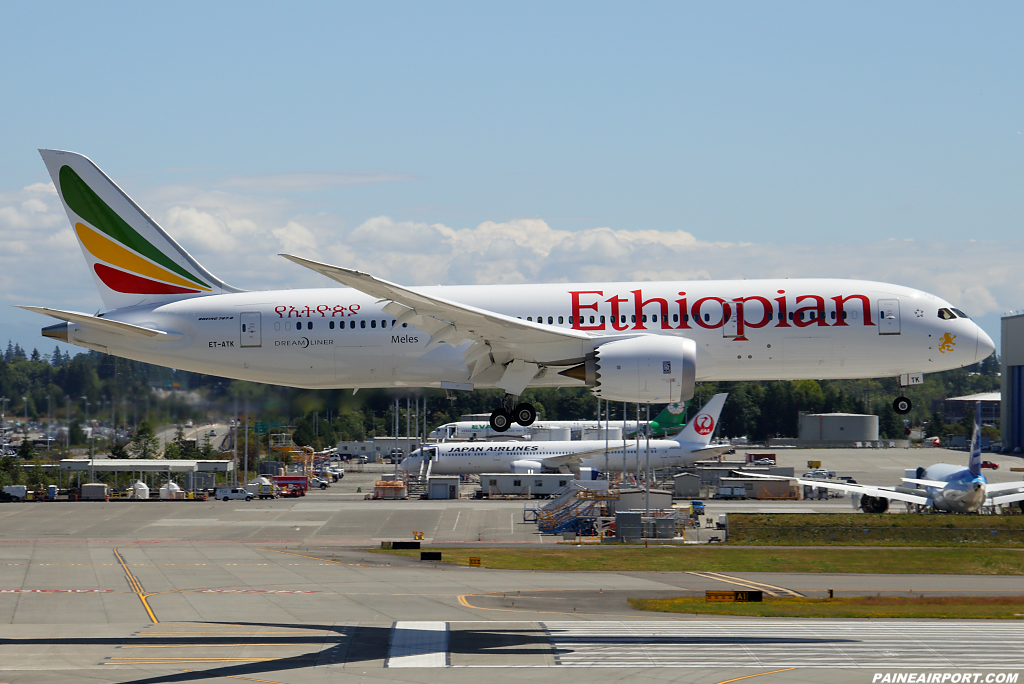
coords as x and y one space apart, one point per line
112 326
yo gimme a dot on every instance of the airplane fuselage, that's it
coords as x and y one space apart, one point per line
497 457
743 329
964 493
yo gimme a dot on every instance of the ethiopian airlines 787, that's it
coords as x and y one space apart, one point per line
645 342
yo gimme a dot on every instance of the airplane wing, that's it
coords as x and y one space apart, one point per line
882 492
575 461
109 325
495 335
1007 498
938 484
1012 491
1004 487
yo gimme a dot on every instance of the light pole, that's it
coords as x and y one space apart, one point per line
3 413
92 455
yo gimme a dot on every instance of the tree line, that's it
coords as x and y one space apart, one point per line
120 390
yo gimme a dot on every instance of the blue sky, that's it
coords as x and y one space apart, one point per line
876 140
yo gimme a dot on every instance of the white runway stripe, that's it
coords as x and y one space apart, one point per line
418 644
787 643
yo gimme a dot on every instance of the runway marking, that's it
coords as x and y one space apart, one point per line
463 602
418 644
248 679
759 674
137 588
269 643
177 661
258 591
769 589
456 521
56 591
323 561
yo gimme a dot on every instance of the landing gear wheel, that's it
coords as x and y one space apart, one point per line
525 414
902 406
500 420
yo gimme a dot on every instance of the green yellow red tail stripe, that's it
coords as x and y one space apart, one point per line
133 263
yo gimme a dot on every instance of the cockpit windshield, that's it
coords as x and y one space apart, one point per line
946 314
960 313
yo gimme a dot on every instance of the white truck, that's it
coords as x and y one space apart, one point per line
228 493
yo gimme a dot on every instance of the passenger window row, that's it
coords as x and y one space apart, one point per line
340 325
593 320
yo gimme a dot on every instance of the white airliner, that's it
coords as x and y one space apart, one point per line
643 342
942 486
465 458
669 421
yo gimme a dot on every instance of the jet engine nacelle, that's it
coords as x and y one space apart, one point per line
874 504
524 467
651 369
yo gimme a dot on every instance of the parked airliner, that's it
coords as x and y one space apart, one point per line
466 458
669 421
942 486
640 342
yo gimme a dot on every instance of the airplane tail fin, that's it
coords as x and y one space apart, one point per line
702 426
974 464
132 259
670 420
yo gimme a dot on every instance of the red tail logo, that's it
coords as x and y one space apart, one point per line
704 424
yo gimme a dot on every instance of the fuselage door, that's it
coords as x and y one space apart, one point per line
252 336
729 326
888 317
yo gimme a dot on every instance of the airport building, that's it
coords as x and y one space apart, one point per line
1012 357
838 427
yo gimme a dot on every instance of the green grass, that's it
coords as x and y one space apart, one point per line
858 529
737 559
963 607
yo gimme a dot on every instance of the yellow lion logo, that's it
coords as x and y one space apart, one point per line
947 343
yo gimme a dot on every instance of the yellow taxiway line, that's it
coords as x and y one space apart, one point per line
137 588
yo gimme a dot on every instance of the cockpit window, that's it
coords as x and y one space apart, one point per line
946 314
960 313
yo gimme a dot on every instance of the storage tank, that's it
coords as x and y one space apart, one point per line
614 434
170 491
838 427
551 435
140 490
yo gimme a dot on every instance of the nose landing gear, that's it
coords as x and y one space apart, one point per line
902 406
511 410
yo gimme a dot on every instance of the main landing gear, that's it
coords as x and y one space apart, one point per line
512 411
902 406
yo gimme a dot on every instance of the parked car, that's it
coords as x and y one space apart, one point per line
990 464
763 461
228 493
317 482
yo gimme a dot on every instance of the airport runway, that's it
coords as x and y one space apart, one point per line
178 592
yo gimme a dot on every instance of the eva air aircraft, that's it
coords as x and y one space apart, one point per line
640 342
669 421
